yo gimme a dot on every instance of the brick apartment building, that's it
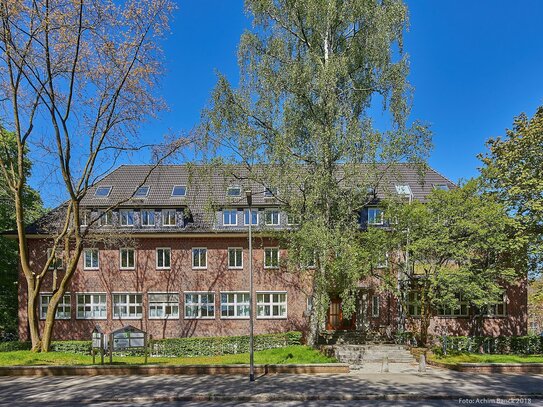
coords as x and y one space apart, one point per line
173 261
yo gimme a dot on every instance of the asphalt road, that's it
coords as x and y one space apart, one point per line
435 388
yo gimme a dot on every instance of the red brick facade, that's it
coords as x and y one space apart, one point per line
218 278
180 278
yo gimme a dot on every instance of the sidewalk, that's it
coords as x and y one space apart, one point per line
436 384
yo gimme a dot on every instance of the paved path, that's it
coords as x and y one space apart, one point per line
279 389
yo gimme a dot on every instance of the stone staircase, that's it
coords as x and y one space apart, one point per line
359 355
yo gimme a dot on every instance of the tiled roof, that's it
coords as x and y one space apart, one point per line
207 186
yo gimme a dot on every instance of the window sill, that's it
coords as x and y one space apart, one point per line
235 268
199 268
204 318
127 269
163 268
163 318
234 318
91 269
119 318
279 318
91 318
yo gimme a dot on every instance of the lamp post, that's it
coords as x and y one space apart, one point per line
249 195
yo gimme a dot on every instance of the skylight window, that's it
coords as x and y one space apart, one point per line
142 192
441 187
179 190
403 190
270 192
102 192
233 191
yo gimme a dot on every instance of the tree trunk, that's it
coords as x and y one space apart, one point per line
32 309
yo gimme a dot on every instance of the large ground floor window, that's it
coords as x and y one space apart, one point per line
271 305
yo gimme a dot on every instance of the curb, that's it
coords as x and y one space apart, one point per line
269 397
121 370
489 368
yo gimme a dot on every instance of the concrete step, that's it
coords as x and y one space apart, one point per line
360 354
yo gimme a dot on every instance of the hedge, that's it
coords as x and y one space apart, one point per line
518 345
180 347
222 345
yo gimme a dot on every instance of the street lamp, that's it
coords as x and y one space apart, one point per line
249 195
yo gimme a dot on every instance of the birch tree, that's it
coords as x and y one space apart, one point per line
76 79
312 73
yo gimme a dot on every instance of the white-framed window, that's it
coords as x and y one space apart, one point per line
235 258
91 306
147 217
233 191
375 306
56 262
497 309
375 216
142 192
179 191
168 217
102 192
461 310
292 220
163 305
127 258
105 218
271 257
252 216
382 261
91 259
64 308
230 217
163 257
199 305
85 217
234 304
271 305
199 257
413 303
271 217
126 217
127 305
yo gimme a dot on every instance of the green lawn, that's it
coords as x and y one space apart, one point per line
287 355
478 358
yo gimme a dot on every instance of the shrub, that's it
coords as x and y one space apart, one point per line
520 345
222 345
79 347
14 346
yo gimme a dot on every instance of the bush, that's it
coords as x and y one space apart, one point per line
221 345
14 346
518 345
79 347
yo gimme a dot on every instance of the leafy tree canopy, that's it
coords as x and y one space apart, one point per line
513 171
460 243
309 73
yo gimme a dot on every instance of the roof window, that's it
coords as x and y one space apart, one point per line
102 192
403 190
441 187
233 191
142 192
270 192
179 190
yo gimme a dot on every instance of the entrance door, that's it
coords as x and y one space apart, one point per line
335 321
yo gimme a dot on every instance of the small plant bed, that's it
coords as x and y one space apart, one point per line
297 354
486 358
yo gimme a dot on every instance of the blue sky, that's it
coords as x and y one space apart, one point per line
475 64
